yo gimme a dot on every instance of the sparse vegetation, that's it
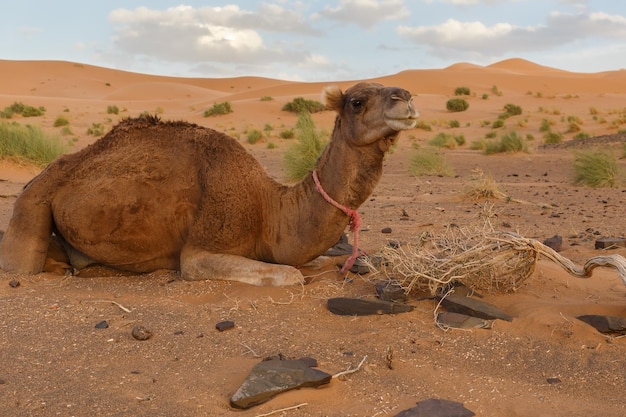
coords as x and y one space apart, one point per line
546 125
266 98
301 157
497 124
457 105
510 110
447 140
61 121
496 91
509 142
113 109
218 109
552 137
302 105
462 91
429 161
596 168
287 134
454 123
96 129
22 109
421 124
253 136
27 143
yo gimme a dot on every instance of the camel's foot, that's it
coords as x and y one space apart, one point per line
201 265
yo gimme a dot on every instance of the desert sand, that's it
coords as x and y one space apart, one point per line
543 363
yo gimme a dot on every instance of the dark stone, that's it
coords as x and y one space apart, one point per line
342 247
140 332
465 305
461 321
386 230
308 361
390 291
555 242
102 325
344 306
610 242
225 325
14 283
605 324
360 267
269 378
437 408
553 380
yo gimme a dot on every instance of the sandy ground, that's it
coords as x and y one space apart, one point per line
55 362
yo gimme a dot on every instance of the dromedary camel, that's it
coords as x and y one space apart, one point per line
173 195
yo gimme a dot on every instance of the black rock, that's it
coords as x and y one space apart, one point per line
555 242
472 307
610 242
342 247
14 283
269 378
605 324
360 267
225 325
390 291
437 408
102 325
344 306
386 230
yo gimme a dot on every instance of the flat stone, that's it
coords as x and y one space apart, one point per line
270 378
342 247
225 325
390 291
455 303
461 321
605 324
386 230
555 242
609 242
437 408
345 306
360 267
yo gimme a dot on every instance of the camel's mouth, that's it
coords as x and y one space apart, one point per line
402 123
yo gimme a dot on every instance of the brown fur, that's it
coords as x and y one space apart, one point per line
173 195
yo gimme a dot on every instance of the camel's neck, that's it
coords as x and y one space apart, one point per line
348 174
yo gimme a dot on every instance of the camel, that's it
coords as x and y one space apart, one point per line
154 195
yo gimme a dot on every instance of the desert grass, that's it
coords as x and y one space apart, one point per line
22 109
597 168
447 140
28 144
429 161
218 109
482 186
301 157
302 105
510 142
457 105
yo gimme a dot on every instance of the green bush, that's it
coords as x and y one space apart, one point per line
446 140
96 129
510 110
597 168
113 109
497 124
61 121
429 161
28 143
287 134
254 136
462 91
301 157
546 125
423 125
22 109
457 105
219 109
509 142
454 123
552 137
302 105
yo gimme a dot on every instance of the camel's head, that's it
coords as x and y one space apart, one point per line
369 112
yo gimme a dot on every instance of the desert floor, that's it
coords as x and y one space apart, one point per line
55 362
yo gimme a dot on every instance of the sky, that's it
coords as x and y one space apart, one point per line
314 40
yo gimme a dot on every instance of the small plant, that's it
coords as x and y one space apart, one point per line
27 143
302 105
593 111
113 109
446 140
597 168
66 131
496 91
497 124
582 135
301 157
546 125
22 109
254 136
266 98
511 110
454 123
457 105
485 96
552 137
271 145
423 125
218 109
462 91
429 161
509 142
96 129
61 121
287 134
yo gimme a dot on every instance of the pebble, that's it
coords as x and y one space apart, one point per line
225 325
102 325
140 332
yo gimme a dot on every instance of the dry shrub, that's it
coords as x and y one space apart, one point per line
483 187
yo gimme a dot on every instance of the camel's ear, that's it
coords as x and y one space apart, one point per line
333 98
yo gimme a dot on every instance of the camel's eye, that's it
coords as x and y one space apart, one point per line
356 104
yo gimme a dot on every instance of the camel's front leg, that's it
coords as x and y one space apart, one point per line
198 264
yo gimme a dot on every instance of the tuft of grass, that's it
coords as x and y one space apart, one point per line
421 124
510 142
21 109
218 109
462 91
61 121
287 134
454 123
546 125
113 109
496 91
267 98
302 105
301 157
510 110
429 161
552 137
457 105
483 187
253 136
597 168
27 143
447 140
96 129
497 124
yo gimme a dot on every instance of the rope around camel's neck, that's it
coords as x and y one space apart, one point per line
355 222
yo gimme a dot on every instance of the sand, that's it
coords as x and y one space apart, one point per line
55 362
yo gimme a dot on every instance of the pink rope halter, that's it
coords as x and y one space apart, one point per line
355 222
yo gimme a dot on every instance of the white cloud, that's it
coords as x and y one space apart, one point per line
457 39
365 13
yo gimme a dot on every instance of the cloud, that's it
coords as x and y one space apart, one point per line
365 13
460 40
225 34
